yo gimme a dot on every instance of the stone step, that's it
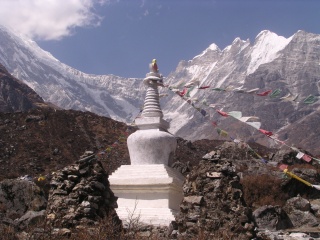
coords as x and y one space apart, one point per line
154 216
146 171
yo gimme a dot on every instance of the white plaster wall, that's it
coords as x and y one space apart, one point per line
151 147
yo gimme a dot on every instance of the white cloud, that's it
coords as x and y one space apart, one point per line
146 13
49 19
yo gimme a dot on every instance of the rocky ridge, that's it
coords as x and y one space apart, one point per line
15 95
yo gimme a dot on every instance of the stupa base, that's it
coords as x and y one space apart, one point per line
149 194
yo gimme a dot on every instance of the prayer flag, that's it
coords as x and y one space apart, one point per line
218 89
245 119
203 112
188 92
253 90
184 91
300 155
229 88
222 132
283 166
256 125
306 157
289 97
214 124
235 114
275 93
192 83
204 87
223 113
310 99
268 133
239 90
286 96
264 93
175 90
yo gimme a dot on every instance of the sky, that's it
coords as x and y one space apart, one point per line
121 37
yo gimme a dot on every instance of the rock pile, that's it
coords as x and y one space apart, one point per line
80 195
213 204
297 216
21 202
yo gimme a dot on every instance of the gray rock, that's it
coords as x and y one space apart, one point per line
271 218
193 199
19 196
297 203
29 219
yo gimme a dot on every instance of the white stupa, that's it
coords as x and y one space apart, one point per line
149 189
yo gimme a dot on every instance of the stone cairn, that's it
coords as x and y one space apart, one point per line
213 204
80 195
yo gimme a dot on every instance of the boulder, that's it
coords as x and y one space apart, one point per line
271 218
30 218
19 196
299 212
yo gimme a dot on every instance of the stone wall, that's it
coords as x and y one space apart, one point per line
213 205
80 194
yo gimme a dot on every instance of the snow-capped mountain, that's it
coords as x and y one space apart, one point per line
107 95
271 62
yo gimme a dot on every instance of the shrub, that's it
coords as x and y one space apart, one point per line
262 190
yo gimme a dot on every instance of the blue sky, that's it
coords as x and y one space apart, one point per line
121 37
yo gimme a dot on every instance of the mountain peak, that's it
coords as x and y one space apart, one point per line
212 47
266 47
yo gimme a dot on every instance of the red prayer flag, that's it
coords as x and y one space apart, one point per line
283 167
204 87
214 124
223 113
264 93
306 157
268 133
184 91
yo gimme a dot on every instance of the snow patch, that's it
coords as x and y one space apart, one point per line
212 47
266 49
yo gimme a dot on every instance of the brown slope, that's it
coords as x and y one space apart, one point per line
42 140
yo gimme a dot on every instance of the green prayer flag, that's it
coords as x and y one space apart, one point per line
218 89
188 92
222 132
275 93
310 99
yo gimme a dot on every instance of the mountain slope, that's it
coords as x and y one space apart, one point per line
68 88
15 95
271 62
